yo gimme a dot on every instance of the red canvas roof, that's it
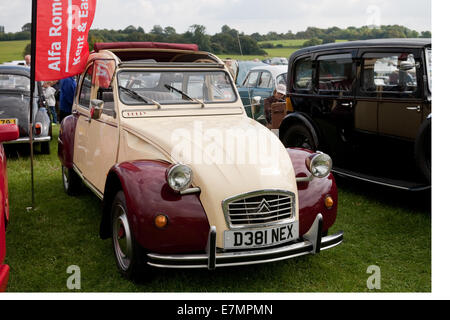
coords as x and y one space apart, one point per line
144 45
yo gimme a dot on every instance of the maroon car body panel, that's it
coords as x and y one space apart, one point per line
8 132
311 195
148 195
66 140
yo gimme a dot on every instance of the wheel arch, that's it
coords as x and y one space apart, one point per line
147 194
112 186
299 118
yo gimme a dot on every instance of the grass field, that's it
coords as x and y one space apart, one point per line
285 43
12 50
385 228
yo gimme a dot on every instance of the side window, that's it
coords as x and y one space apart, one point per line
303 74
265 81
84 99
251 80
388 72
281 79
336 74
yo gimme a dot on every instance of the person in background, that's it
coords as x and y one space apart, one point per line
49 94
27 59
279 95
67 89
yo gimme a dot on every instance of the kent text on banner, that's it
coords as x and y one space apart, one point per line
62 29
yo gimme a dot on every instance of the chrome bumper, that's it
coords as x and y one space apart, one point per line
313 243
27 140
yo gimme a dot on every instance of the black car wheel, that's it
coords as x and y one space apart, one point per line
423 150
298 136
128 254
45 147
71 181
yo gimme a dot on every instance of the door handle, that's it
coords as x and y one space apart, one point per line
417 108
347 104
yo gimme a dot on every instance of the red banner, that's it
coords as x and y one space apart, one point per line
62 30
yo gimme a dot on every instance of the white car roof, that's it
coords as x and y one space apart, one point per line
274 70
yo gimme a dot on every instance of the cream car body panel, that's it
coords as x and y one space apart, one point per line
278 174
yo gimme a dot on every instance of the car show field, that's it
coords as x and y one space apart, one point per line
383 227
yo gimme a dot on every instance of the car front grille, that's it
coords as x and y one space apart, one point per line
259 208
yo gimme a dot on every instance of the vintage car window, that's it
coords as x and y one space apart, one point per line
251 80
164 87
428 58
282 79
85 93
388 72
303 74
335 74
265 81
14 82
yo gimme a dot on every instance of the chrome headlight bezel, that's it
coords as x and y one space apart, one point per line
320 165
186 173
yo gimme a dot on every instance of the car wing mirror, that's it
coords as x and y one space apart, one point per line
96 109
8 132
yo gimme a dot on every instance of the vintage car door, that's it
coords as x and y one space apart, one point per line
335 99
246 91
264 89
96 141
400 109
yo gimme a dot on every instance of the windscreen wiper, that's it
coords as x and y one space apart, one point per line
169 87
141 97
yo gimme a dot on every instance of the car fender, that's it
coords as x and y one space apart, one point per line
44 119
297 117
312 194
148 195
66 140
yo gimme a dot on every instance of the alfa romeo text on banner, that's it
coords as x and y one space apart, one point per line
62 30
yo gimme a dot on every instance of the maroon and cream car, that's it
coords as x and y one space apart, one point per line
187 180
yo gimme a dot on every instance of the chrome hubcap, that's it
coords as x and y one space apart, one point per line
122 238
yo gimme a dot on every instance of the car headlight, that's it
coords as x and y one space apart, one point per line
319 165
179 177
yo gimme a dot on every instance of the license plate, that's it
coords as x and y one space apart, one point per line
264 237
8 121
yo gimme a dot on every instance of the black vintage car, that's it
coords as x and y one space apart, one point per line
367 104
15 106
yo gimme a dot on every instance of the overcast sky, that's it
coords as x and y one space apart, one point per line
245 15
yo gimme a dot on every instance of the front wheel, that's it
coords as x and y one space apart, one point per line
299 136
127 252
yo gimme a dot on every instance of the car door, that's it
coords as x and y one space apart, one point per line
246 91
96 141
400 109
334 101
264 89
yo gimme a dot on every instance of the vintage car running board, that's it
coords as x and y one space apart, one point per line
392 183
213 259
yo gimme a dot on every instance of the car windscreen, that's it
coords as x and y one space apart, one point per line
14 82
175 87
428 57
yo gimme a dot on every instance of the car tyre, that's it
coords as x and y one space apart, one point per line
422 150
128 253
71 181
45 147
299 136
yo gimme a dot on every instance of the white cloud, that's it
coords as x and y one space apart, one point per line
246 15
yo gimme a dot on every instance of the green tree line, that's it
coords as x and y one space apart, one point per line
231 41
